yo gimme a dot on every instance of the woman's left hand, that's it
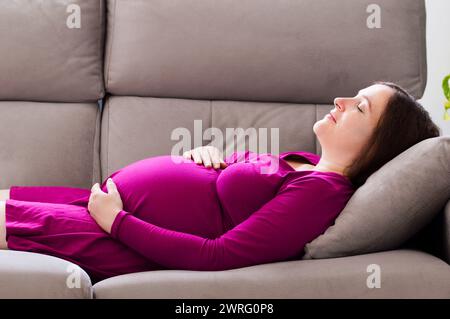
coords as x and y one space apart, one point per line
104 207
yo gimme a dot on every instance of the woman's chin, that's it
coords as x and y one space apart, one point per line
320 125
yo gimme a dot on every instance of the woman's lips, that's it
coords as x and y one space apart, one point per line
331 117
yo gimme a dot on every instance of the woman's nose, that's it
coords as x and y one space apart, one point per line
338 103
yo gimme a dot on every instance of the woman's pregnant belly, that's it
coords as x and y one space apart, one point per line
178 196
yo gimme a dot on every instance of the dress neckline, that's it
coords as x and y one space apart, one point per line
310 158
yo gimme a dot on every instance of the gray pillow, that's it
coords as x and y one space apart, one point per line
395 203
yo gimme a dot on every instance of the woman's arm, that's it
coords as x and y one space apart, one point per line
277 231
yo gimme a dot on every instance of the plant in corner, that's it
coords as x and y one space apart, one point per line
445 86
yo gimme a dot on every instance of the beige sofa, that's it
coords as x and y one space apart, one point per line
77 95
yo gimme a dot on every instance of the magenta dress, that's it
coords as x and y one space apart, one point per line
183 215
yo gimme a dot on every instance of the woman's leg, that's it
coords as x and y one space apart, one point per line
4 194
47 194
3 244
69 232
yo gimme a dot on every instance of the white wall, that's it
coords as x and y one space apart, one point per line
438 59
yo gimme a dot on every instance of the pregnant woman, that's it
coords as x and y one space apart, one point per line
206 213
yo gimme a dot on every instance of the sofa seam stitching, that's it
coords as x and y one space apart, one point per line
102 34
113 21
93 143
210 115
315 137
107 141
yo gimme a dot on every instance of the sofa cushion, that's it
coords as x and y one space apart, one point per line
44 56
446 232
395 203
53 144
37 276
310 52
403 274
128 118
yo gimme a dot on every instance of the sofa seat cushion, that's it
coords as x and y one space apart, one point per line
403 273
26 275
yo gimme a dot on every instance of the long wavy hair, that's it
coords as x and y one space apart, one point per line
403 123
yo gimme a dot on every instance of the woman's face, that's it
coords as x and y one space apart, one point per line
355 120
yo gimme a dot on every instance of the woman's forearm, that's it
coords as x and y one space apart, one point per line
166 247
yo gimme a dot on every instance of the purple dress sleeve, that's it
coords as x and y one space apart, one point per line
279 230
50 194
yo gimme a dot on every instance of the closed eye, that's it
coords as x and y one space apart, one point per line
359 108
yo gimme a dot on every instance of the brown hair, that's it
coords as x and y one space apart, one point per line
403 123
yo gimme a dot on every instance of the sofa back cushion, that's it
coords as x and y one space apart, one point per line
45 143
134 127
305 51
394 204
51 50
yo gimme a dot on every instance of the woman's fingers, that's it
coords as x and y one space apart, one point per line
213 156
209 156
196 156
111 186
216 157
95 187
187 155
223 164
206 158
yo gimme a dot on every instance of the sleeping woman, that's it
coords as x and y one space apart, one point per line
209 213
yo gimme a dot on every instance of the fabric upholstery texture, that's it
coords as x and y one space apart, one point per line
42 59
445 239
229 50
404 274
27 275
126 120
49 143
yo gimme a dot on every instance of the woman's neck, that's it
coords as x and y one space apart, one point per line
325 165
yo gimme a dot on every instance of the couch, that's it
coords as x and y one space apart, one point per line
83 81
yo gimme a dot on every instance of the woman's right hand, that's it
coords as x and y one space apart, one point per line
206 155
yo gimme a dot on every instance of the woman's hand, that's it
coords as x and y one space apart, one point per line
208 155
104 207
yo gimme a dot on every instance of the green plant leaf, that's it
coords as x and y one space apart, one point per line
446 116
445 86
